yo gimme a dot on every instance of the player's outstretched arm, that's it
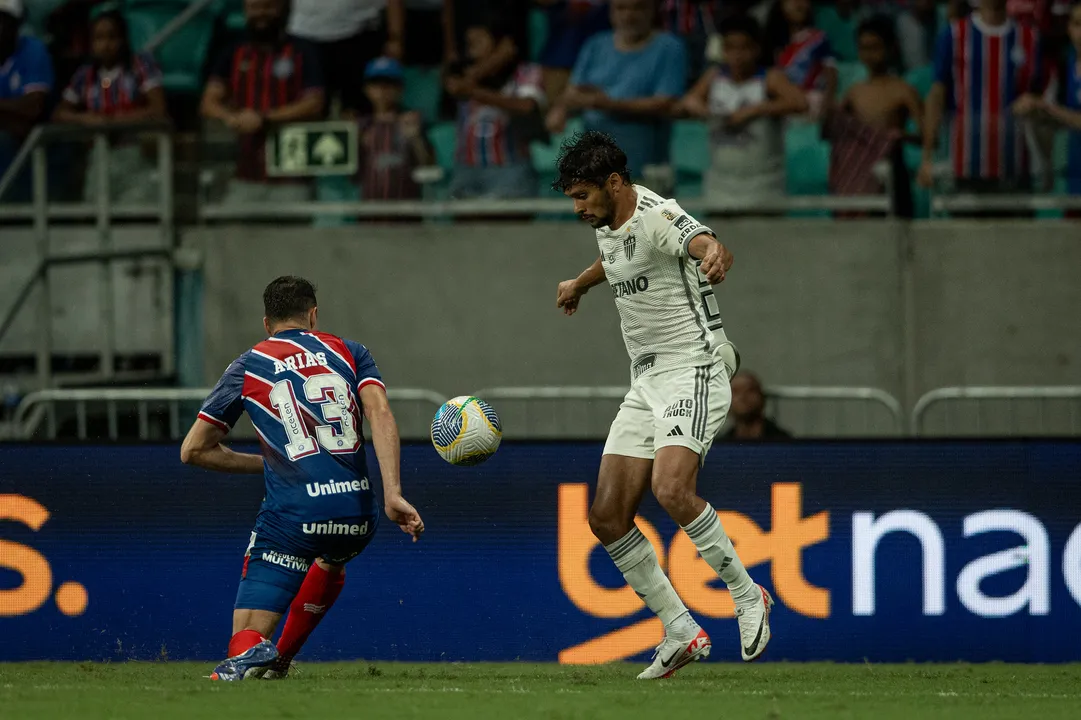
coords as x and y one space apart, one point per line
716 258
388 452
202 448
570 292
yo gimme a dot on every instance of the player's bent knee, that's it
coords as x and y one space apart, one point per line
607 525
673 493
263 622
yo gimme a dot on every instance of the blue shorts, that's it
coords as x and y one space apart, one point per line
282 550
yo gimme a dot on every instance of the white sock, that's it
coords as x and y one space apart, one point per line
713 544
636 559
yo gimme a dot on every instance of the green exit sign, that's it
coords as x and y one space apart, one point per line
310 149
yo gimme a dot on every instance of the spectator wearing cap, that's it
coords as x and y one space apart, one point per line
117 85
349 34
26 79
626 82
392 142
266 79
496 116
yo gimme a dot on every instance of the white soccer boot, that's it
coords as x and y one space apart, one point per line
671 655
753 619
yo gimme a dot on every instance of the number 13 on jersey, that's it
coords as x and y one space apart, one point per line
331 393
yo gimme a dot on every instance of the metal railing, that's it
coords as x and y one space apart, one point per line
1000 411
835 411
587 412
102 211
162 413
524 206
527 412
971 202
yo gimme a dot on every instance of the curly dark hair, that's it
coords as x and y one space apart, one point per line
589 157
881 26
741 24
287 298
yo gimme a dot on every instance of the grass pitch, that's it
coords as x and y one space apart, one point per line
162 691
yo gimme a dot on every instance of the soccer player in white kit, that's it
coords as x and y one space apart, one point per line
661 265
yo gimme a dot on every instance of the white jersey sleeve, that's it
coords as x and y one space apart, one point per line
670 228
668 312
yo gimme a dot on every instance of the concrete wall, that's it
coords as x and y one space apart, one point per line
459 307
142 292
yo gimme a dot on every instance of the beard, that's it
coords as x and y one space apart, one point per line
604 215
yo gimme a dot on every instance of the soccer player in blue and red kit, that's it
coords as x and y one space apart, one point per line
306 392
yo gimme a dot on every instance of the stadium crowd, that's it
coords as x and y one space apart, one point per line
732 100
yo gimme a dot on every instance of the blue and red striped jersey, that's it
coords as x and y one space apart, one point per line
805 58
263 78
387 161
113 91
486 136
301 390
984 69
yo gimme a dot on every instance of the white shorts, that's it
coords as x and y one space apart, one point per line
684 407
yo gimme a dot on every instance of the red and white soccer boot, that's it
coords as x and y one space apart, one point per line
671 655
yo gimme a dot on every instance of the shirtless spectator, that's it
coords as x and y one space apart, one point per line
869 127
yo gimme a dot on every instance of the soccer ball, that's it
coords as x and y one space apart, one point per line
466 431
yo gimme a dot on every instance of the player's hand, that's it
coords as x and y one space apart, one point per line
247 121
411 125
716 263
926 176
568 294
556 120
405 516
1026 104
691 106
742 116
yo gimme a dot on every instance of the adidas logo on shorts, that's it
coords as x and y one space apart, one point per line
676 432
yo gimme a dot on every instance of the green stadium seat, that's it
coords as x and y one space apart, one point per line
689 151
807 161
183 55
543 155
848 74
1060 153
334 189
443 137
921 78
840 31
422 91
37 14
538 33
690 157
232 14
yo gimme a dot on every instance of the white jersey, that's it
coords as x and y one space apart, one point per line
667 309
